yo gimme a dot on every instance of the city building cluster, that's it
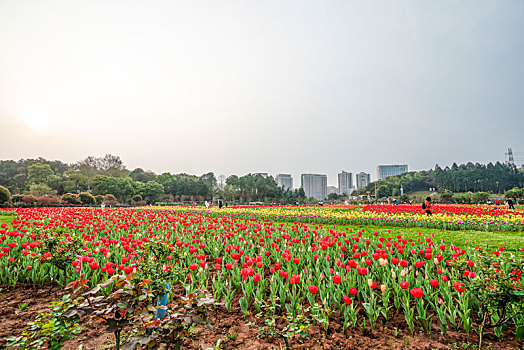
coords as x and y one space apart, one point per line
315 185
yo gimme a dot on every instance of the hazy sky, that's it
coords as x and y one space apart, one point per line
262 86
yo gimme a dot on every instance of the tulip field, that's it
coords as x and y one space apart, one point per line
447 217
296 274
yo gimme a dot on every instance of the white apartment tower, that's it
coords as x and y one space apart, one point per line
345 182
362 179
285 180
314 185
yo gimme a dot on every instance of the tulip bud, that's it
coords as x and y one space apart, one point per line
383 288
394 275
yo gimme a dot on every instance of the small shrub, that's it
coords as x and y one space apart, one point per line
109 197
29 200
17 198
137 198
70 198
111 203
87 198
43 201
99 199
5 195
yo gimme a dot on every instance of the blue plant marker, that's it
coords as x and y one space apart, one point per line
161 314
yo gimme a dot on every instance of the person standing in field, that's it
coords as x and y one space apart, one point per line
426 206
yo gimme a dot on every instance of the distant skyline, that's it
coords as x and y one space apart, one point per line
239 87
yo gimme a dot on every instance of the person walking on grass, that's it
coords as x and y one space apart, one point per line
426 206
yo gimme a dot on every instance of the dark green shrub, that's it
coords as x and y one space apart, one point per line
137 198
99 199
17 198
71 198
109 197
5 195
87 198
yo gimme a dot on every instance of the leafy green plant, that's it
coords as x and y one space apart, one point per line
60 250
177 325
23 306
49 329
497 294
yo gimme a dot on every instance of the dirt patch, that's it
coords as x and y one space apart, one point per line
21 304
237 331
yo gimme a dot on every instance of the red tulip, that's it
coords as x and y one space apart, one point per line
362 270
337 279
458 287
256 278
416 292
313 289
347 300
404 284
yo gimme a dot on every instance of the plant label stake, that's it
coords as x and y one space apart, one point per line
161 314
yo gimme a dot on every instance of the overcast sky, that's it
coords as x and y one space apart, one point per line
262 86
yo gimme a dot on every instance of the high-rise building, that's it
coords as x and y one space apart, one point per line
314 185
362 179
345 182
285 180
384 171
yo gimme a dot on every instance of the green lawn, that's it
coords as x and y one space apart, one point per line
492 240
6 219
509 240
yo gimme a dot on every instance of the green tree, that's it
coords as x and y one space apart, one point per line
121 188
142 176
333 196
446 196
39 190
515 193
152 191
38 173
76 183
56 182
5 195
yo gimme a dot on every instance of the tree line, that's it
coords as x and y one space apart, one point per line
98 177
491 178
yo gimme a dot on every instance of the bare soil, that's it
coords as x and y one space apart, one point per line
237 331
